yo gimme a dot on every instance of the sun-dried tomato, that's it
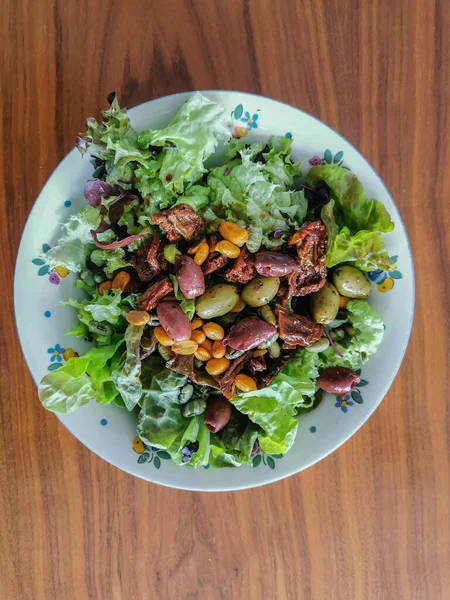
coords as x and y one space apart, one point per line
147 260
154 293
310 242
226 382
179 222
215 260
296 330
243 269
274 368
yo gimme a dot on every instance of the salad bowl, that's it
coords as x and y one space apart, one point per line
108 430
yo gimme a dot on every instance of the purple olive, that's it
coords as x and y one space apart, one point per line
249 333
173 320
190 278
217 414
274 264
337 380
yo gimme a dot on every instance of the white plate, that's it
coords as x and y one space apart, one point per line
109 431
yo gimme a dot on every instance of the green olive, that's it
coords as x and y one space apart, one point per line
318 346
260 290
325 304
267 314
274 350
165 352
217 301
351 283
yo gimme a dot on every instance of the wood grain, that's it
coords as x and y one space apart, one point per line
372 521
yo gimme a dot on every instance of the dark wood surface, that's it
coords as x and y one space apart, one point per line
372 521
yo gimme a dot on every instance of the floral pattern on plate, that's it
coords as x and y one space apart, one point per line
55 274
244 122
328 159
385 279
59 355
348 400
149 454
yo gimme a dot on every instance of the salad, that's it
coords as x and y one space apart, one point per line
222 293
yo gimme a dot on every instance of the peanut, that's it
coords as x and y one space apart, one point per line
121 280
217 366
104 287
138 317
227 249
244 383
214 331
233 233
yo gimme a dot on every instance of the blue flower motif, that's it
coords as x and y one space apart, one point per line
250 120
377 276
56 353
344 402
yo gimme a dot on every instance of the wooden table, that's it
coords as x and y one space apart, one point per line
372 521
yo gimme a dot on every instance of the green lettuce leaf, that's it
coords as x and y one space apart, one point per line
124 150
351 199
110 260
236 146
67 388
80 331
278 166
197 197
354 224
79 380
196 431
233 447
187 305
100 316
100 308
156 197
126 378
365 342
365 248
161 421
273 409
241 190
119 173
301 373
115 141
75 241
329 220
194 133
